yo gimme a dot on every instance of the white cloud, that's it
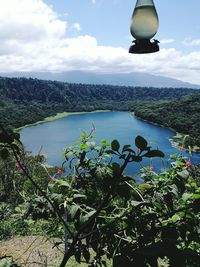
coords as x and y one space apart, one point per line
34 38
167 41
29 20
191 42
77 26
93 1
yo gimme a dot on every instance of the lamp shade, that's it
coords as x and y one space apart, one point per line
144 23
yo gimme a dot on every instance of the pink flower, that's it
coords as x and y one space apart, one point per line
151 168
93 128
52 180
60 171
188 164
182 149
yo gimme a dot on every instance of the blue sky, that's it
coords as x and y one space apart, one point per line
94 35
109 20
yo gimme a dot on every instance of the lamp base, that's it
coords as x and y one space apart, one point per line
144 46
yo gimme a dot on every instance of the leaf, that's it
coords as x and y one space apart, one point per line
116 169
183 174
145 187
73 211
79 196
154 153
110 152
136 158
4 153
115 145
63 183
84 135
83 146
86 255
77 256
135 203
141 143
125 148
196 196
186 197
86 217
175 218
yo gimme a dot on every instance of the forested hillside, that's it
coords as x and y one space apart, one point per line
181 115
25 101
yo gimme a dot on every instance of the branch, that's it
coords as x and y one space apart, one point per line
40 190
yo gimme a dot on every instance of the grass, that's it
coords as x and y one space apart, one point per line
58 116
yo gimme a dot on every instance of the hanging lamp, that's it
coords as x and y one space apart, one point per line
144 25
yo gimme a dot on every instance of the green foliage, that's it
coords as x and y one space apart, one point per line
14 185
25 101
181 115
113 216
12 222
130 223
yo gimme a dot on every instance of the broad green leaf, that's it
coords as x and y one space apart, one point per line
154 153
73 211
135 203
145 187
79 196
186 197
77 256
115 145
175 218
196 196
86 255
136 158
83 146
126 147
63 183
184 174
84 135
141 143
86 217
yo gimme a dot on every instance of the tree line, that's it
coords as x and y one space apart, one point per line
24 101
180 114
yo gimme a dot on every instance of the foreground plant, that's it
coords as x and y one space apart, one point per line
107 215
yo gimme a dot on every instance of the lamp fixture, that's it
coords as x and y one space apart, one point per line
144 26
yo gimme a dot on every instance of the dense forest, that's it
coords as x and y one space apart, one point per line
24 101
181 115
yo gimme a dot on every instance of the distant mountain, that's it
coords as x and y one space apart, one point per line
122 79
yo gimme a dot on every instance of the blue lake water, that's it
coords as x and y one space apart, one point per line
54 136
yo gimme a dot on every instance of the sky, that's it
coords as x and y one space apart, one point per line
94 35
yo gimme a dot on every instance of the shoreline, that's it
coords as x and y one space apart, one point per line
57 117
176 140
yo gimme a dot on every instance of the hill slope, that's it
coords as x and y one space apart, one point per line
122 79
25 101
181 115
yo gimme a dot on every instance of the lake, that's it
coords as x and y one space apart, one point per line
54 136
